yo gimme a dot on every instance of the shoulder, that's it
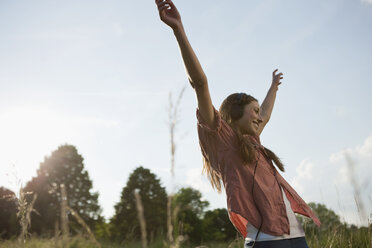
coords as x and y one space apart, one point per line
218 122
220 132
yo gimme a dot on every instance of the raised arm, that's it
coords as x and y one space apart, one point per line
268 104
197 78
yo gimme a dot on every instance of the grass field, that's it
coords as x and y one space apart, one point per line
337 238
80 242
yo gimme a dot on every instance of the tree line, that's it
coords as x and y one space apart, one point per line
66 166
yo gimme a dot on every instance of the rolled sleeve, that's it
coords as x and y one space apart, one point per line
214 141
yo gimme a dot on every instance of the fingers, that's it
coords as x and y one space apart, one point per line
277 75
162 3
160 8
171 4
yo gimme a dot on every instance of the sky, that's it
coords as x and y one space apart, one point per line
98 74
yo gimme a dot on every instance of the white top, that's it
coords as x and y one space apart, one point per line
295 227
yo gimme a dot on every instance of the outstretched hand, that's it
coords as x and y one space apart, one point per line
276 78
169 14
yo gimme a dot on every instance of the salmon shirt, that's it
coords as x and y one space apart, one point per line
220 147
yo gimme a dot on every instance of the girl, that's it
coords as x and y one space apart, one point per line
261 204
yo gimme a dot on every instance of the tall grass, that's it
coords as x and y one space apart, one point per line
24 211
141 218
64 215
343 235
357 191
85 226
173 242
81 242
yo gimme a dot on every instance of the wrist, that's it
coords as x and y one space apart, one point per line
274 86
178 29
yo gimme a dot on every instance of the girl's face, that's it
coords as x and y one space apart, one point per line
250 121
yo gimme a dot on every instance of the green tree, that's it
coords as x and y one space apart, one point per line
217 226
64 166
191 210
125 224
329 219
9 225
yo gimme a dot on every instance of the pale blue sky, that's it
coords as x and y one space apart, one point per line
96 74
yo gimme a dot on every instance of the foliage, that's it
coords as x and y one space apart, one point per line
125 224
9 225
191 210
64 166
209 228
327 217
189 198
333 233
356 237
81 242
74 242
341 236
217 226
102 229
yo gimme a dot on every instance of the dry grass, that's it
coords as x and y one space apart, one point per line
345 235
24 213
65 210
173 121
84 225
141 218
24 208
64 215
172 214
357 191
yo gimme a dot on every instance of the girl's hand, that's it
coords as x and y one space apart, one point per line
276 78
169 14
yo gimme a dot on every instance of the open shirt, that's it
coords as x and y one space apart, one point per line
220 147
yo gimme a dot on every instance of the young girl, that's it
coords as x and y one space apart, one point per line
261 204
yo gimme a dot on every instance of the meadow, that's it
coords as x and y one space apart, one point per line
73 229
339 237
336 236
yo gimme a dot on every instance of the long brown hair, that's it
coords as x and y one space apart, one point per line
231 110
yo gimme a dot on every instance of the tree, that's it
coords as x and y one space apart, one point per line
189 198
329 219
9 225
191 210
64 166
217 226
125 224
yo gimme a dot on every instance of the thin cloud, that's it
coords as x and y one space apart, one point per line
361 157
304 172
367 1
330 182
